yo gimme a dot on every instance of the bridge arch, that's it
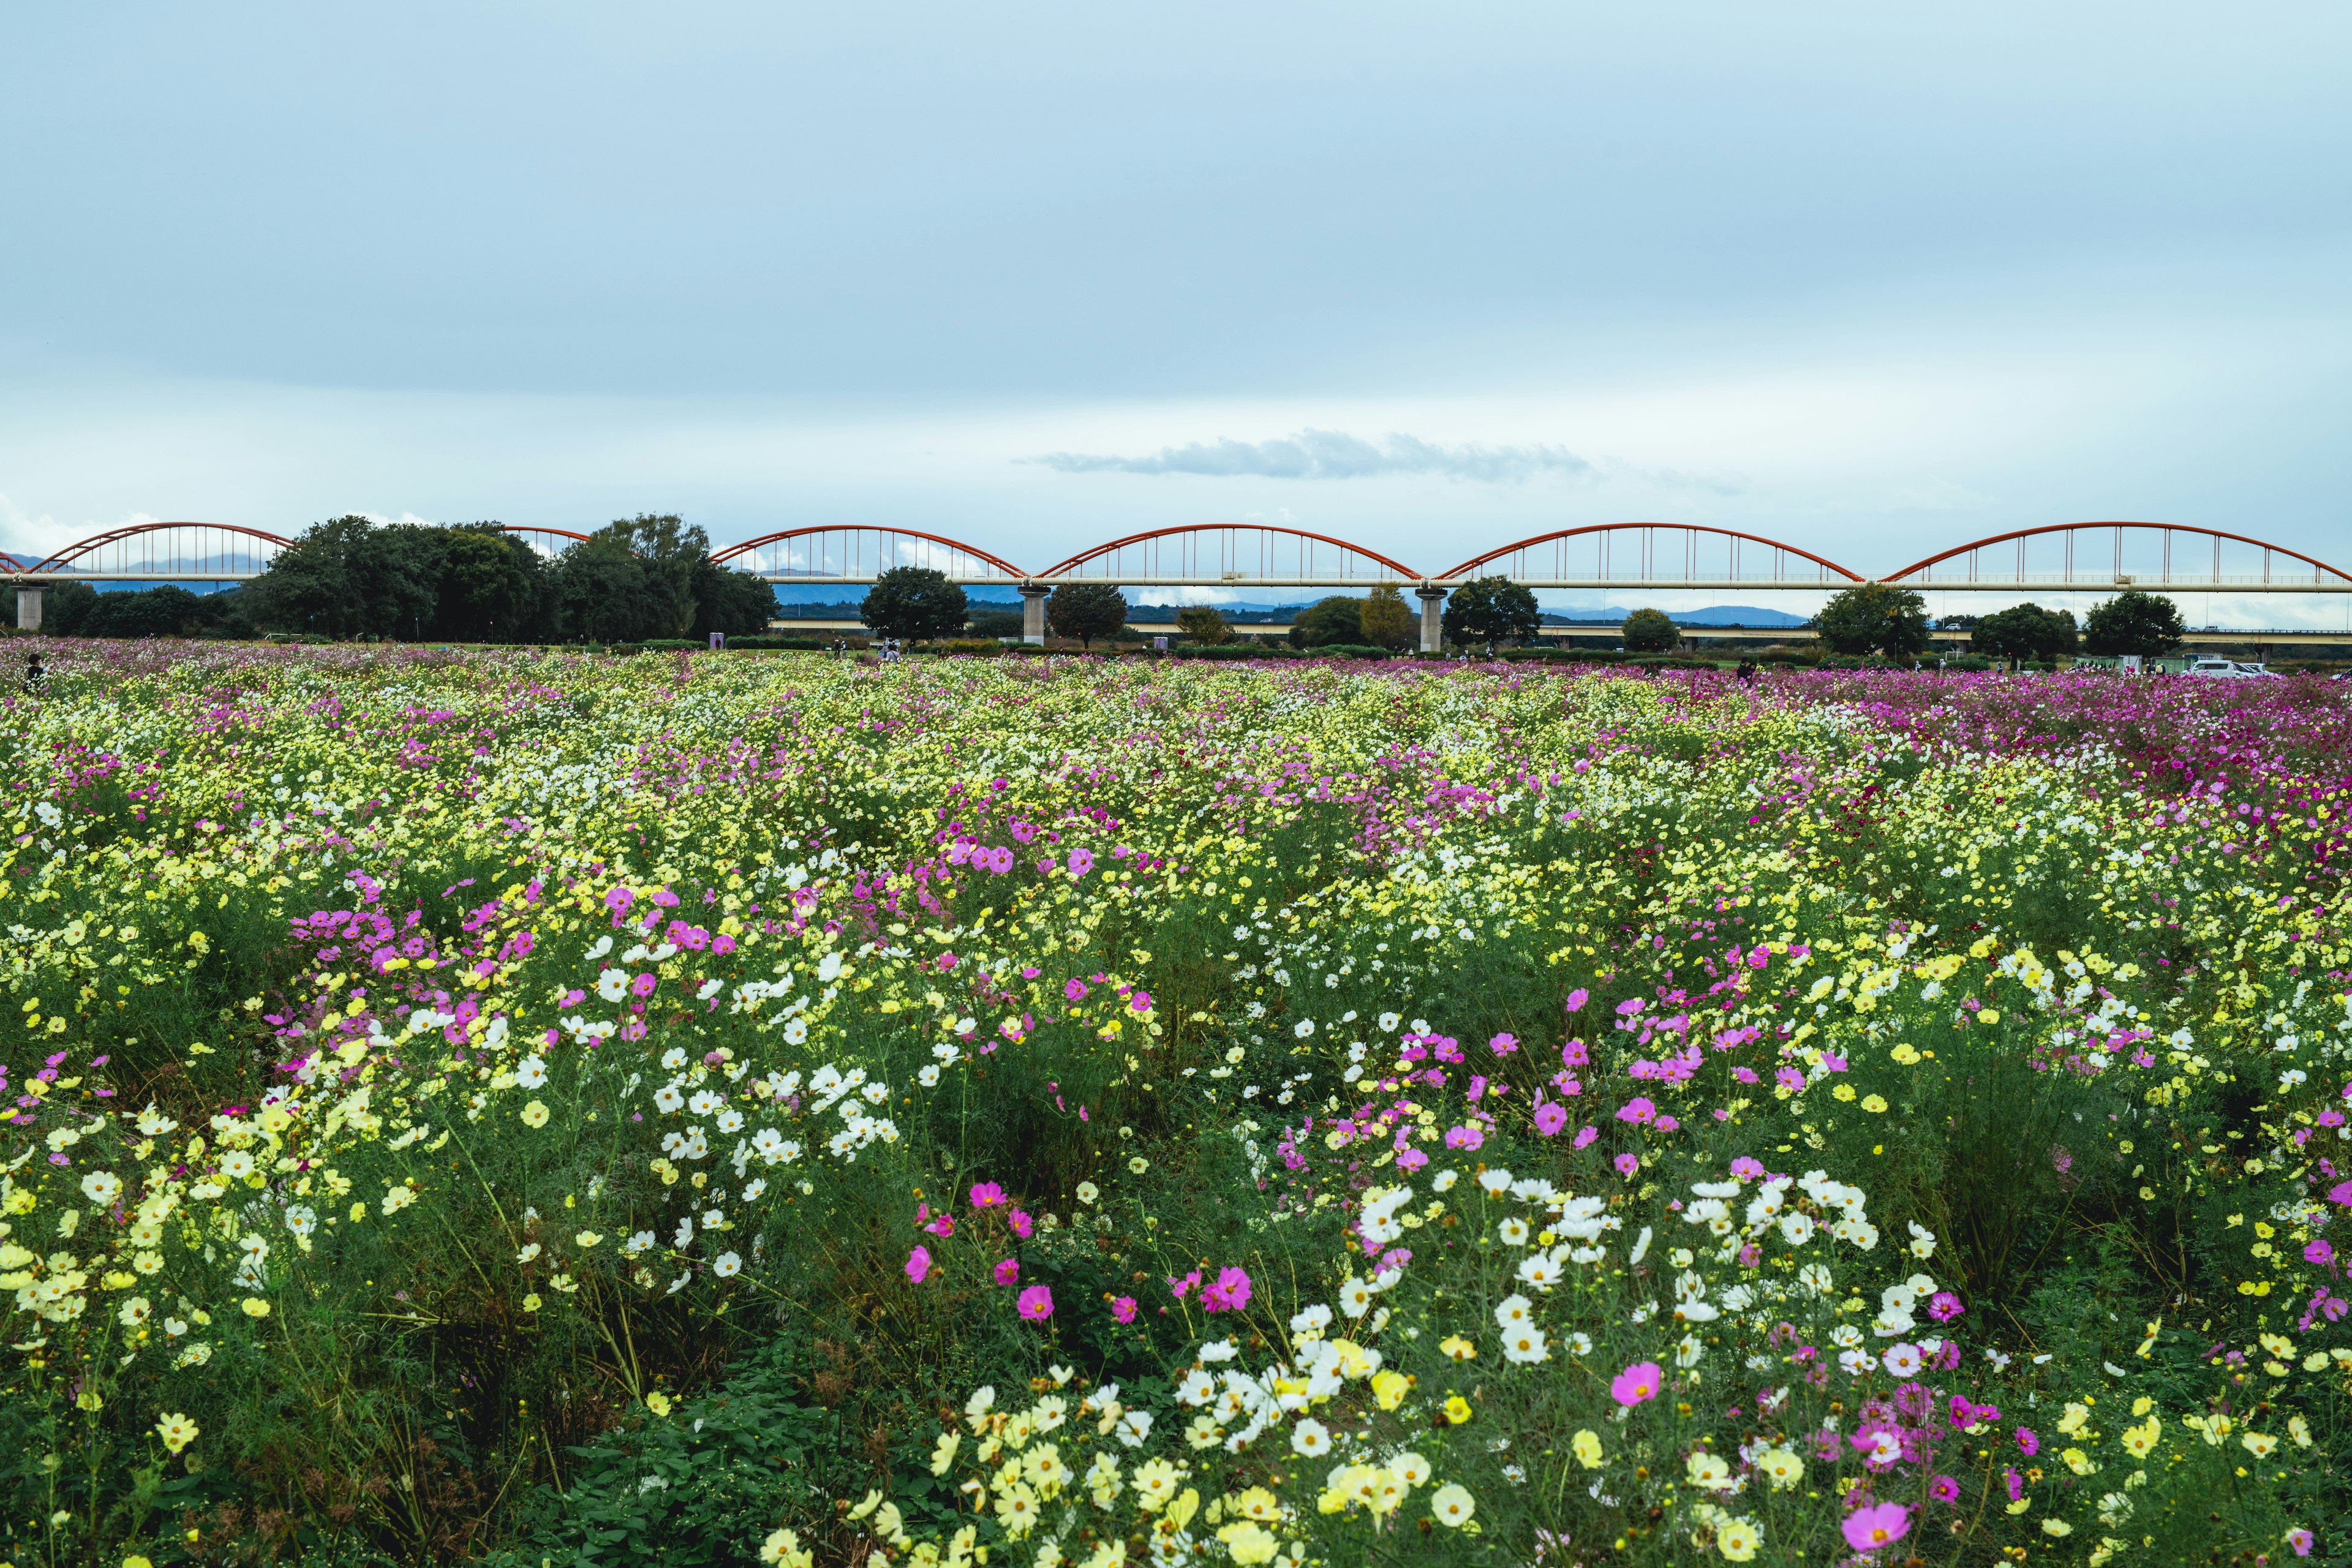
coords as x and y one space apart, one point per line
1219 554
166 551
1692 546
2132 554
858 554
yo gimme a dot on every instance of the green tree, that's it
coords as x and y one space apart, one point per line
730 601
349 577
606 594
675 555
1873 618
1386 620
914 602
1086 611
2025 631
63 607
1651 631
494 587
1204 625
1491 609
2148 624
1337 619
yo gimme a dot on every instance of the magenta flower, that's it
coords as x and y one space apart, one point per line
1075 991
1230 1292
2319 1252
1868 1529
643 986
1503 1045
1463 1138
1081 862
1123 1310
1587 1137
1550 1119
2301 1540
1412 1160
986 1196
1023 831
1141 1002
1944 1307
1179 1284
1037 1303
1007 1271
918 1264
1943 1489
1577 999
619 899
1745 1169
1637 1110
1791 1080
1020 1223
1627 1163
2027 1443
1635 1383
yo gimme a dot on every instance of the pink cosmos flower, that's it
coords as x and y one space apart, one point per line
1229 1292
1635 1383
1944 1307
1627 1163
1463 1138
1037 1303
1081 862
1574 1055
1745 1169
1075 991
2027 1443
1123 1310
1141 1002
1587 1137
1868 1529
987 1195
1577 999
1550 1119
1180 1283
2319 1252
1637 1110
1943 1489
1503 1045
1020 1224
1007 1271
918 1264
1412 1160
2301 1540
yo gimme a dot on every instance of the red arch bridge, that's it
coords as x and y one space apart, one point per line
2078 557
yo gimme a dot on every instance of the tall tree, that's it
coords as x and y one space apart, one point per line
1872 617
1491 609
606 594
1204 625
674 554
1327 622
1087 611
1385 619
493 587
914 602
2148 624
2025 631
1651 631
733 602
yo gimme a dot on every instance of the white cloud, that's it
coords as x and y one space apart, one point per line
1335 455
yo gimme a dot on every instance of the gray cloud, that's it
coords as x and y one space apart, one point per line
1334 455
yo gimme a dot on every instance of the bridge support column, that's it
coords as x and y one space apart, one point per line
1032 613
1432 628
28 608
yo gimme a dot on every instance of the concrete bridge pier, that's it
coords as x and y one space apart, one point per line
1032 613
1432 628
28 607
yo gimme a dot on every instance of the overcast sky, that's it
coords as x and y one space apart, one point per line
1871 278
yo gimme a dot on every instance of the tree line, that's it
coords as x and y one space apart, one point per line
648 576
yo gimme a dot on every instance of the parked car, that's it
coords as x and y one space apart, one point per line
2214 668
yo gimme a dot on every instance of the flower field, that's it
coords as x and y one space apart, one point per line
731 1109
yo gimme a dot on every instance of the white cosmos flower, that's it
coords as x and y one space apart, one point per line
1355 1297
101 1187
726 1265
531 1073
704 1102
730 1120
1525 1345
1496 1181
1514 1311
1310 1438
612 984
796 1031
668 1101
1538 1270
1514 1232
1797 1227
929 1076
